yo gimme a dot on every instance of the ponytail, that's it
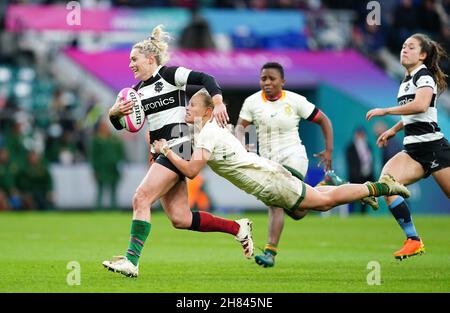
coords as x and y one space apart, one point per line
438 53
156 45
435 53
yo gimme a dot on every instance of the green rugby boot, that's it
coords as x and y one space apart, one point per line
330 178
266 259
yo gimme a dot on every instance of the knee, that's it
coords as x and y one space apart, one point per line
141 200
276 212
296 214
180 221
390 199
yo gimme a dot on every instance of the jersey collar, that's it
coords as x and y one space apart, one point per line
152 78
156 71
416 70
264 97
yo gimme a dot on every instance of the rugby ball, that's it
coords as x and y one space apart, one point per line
132 122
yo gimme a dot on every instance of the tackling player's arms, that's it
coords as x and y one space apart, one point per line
189 168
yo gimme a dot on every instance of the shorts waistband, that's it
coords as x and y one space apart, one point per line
424 145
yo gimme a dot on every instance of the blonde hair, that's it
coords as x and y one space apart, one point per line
156 45
207 100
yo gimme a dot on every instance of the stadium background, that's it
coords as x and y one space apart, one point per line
58 77
59 73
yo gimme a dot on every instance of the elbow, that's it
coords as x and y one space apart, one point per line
191 175
420 108
423 109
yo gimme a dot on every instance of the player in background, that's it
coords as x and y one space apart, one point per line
162 90
267 180
276 113
426 152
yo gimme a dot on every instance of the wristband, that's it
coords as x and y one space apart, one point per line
165 150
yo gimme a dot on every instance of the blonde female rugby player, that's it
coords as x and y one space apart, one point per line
269 181
162 91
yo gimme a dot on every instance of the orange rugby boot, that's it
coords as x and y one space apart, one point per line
410 248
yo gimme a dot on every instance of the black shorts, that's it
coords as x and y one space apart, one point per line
433 155
183 150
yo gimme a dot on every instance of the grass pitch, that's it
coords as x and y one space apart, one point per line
316 255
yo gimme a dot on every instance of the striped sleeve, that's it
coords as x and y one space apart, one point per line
206 80
425 81
313 115
116 123
181 76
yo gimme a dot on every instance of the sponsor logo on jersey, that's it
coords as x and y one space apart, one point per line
159 103
405 101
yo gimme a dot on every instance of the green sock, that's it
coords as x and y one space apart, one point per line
271 248
377 189
139 233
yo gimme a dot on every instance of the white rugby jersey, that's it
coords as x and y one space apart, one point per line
421 127
277 121
164 101
229 159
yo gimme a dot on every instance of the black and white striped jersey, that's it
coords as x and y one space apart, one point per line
422 127
164 100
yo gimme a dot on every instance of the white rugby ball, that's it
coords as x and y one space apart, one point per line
132 122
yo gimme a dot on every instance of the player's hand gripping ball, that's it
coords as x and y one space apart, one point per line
134 121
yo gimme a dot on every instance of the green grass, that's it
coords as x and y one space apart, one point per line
316 255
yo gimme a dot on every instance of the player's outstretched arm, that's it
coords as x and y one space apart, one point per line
325 156
391 132
191 168
239 131
420 104
220 111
